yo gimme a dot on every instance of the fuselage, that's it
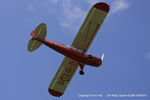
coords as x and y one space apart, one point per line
73 53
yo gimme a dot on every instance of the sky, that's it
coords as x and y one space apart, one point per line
124 39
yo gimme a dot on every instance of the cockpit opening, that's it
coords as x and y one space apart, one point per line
90 56
75 49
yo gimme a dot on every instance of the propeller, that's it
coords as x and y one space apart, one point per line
102 56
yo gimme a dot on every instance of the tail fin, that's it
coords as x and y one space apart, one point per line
39 32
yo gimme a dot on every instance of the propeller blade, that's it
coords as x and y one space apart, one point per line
102 56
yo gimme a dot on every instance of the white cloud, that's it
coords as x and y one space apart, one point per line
92 2
52 1
115 5
70 14
119 5
73 14
31 8
148 55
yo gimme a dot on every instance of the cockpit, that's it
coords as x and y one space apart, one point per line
90 56
75 48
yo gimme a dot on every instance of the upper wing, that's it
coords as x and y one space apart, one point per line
90 26
63 77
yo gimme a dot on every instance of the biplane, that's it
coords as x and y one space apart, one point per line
75 55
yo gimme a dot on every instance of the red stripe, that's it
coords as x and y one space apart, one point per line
55 93
102 6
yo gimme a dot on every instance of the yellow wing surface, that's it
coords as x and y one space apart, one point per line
63 77
90 26
82 41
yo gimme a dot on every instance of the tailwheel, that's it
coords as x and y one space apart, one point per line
81 72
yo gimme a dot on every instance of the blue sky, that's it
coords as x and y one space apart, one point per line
124 39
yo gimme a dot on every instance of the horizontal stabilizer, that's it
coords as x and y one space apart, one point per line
39 32
33 44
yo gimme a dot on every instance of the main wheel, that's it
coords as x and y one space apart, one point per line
81 72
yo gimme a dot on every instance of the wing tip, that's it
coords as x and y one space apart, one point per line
102 6
55 93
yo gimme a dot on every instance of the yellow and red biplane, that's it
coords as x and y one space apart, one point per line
76 53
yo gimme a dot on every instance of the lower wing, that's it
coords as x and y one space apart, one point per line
63 77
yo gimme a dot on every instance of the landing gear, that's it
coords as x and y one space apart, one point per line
81 72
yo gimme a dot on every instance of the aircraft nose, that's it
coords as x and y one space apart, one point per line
99 62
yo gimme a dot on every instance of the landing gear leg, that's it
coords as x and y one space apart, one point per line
81 71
